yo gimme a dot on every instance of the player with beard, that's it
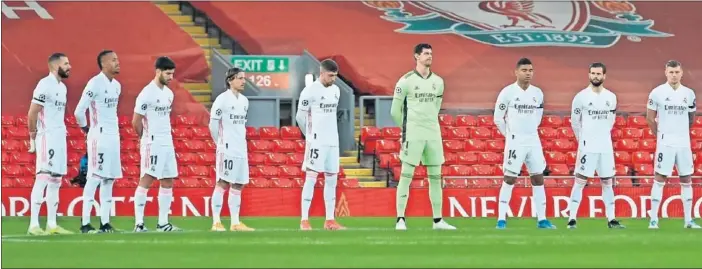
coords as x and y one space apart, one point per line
100 97
592 118
152 123
46 124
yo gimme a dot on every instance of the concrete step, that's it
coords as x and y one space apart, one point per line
169 8
373 184
358 172
202 98
206 92
366 121
182 19
206 42
350 160
194 30
196 86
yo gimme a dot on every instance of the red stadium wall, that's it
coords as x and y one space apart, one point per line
364 202
138 31
478 62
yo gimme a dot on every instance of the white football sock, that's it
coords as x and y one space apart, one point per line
608 199
234 202
52 200
330 181
91 186
686 196
37 198
106 200
308 193
139 204
656 196
217 201
503 203
576 195
539 195
165 197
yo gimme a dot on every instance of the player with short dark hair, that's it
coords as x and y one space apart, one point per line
152 123
523 105
100 97
670 113
47 127
592 118
316 117
228 130
415 107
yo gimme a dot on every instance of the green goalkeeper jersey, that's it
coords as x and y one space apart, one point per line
416 104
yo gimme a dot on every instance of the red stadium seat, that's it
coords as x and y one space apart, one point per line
77 145
282 183
552 121
389 160
454 145
252 133
547 144
299 146
181 132
698 170
486 121
270 171
12 171
474 145
495 145
256 158
290 133
565 133
73 157
458 133
551 183
291 171
276 159
468 158
130 171
555 157
20 132
370 133
559 170
255 171
387 146
205 158
350 183
489 158
8 120
566 121
466 120
622 170
269 133
564 145
647 145
9 182
295 158
642 158
446 120
460 170
633 133
284 146
643 169
696 145
199 170
450 158
648 134
200 132
548 133
124 121
626 145
186 158
128 133
194 145
260 145
10 145
129 145
697 123
128 157
71 121
74 132
622 157
616 134
619 122
482 170
391 132
257 182
185 120
420 172
636 121
623 182
445 130
481 133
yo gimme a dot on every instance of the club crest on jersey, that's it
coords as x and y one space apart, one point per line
305 102
590 24
398 90
577 111
143 107
607 103
218 112
89 94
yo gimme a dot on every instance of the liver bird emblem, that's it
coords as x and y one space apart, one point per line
517 11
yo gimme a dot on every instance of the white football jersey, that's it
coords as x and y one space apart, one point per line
592 119
523 110
320 103
100 97
50 93
155 104
231 110
673 108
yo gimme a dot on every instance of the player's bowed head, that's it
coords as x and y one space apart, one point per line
165 69
60 67
235 79
328 72
524 72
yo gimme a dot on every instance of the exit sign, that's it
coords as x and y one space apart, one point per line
261 64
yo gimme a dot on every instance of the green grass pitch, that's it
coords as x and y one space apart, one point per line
369 242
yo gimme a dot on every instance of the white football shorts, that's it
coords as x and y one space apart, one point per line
588 163
667 156
515 156
321 159
51 153
232 169
158 161
104 157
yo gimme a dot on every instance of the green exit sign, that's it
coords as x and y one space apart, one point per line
261 64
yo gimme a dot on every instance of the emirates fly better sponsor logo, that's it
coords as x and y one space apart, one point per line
524 23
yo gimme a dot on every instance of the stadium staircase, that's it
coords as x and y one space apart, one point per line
201 91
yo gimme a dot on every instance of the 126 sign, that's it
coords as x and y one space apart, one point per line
269 72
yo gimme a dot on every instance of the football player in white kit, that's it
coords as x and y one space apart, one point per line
228 129
316 116
673 106
100 97
152 123
523 106
592 118
47 127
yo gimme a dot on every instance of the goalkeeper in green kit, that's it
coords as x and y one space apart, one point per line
415 107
